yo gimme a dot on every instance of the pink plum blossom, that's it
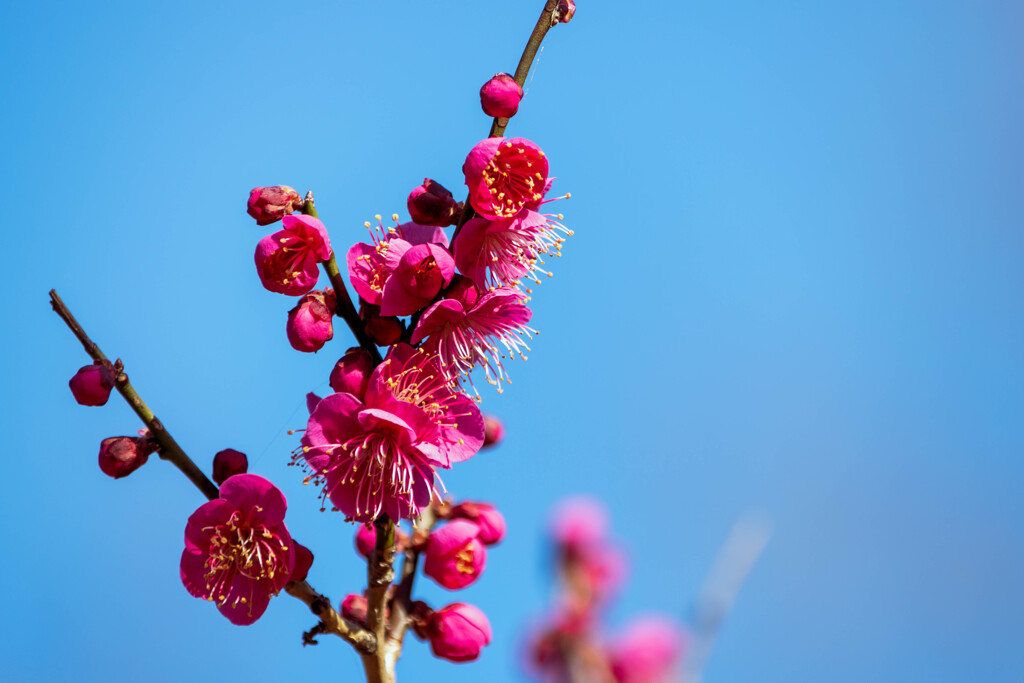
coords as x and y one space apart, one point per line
503 174
579 521
500 252
368 264
432 204
228 463
647 652
352 372
417 274
366 539
500 96
455 557
286 261
383 330
270 204
378 456
458 632
91 385
467 329
311 323
238 552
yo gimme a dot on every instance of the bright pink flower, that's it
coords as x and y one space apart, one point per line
432 204
494 431
491 522
500 96
466 329
417 274
122 455
366 539
311 323
91 385
270 204
455 557
368 265
228 463
352 372
503 175
303 562
500 252
286 261
458 632
238 552
647 652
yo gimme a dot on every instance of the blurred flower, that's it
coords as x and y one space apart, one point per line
647 652
287 261
494 431
238 552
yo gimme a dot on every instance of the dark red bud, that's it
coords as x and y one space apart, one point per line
432 204
270 204
228 463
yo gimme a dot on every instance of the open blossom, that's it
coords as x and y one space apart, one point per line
379 456
368 264
467 329
238 552
503 175
310 324
458 632
91 385
647 652
287 261
500 252
455 557
417 273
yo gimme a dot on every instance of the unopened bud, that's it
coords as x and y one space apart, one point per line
303 562
454 556
490 521
270 204
310 323
458 632
353 608
122 455
500 96
382 330
91 385
564 11
228 463
494 431
351 373
432 204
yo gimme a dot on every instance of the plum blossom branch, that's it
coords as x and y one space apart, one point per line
379 575
346 309
360 638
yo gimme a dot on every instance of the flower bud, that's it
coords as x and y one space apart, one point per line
351 373
122 455
353 608
382 330
91 385
494 431
366 539
455 557
432 204
270 204
227 463
564 11
500 96
458 632
303 562
491 522
310 323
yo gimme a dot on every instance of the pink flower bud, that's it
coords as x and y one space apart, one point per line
303 561
432 204
122 455
353 608
228 463
647 652
382 330
351 373
455 557
91 385
310 323
366 539
564 11
491 522
494 431
270 204
500 96
458 632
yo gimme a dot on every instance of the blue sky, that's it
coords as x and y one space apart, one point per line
794 289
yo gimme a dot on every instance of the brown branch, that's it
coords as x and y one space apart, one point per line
361 639
346 309
379 575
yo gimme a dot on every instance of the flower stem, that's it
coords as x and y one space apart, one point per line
320 606
346 309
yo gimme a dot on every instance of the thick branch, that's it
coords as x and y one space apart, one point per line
379 575
331 621
346 309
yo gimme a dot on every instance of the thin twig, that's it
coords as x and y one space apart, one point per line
330 620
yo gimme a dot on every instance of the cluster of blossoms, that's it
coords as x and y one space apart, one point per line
569 647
